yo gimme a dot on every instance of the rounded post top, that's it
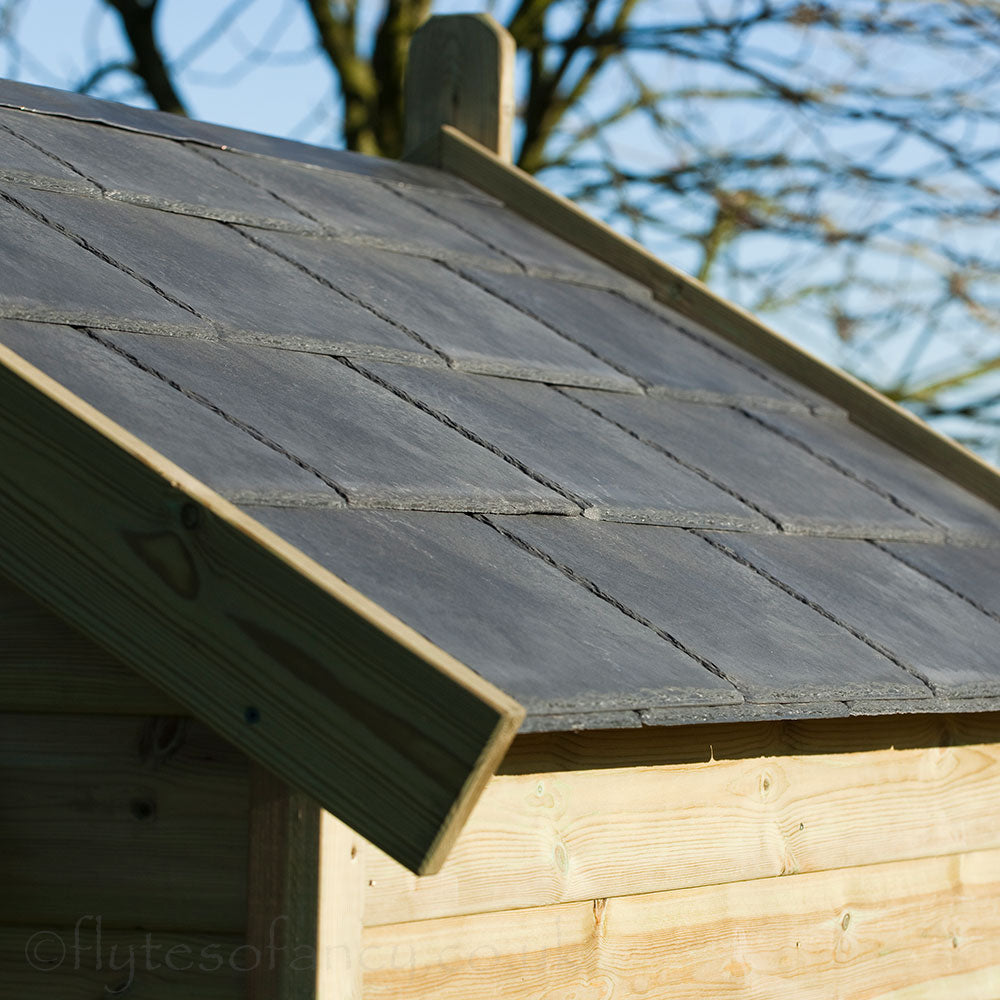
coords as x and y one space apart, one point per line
460 72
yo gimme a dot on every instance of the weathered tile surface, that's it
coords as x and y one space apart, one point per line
225 278
201 442
518 239
356 206
772 646
45 275
915 485
802 493
940 637
380 450
640 343
612 474
149 169
508 615
972 572
21 162
475 330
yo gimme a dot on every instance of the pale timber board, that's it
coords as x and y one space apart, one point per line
541 839
868 408
48 666
43 962
862 933
280 656
143 821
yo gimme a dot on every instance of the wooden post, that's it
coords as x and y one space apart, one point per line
461 72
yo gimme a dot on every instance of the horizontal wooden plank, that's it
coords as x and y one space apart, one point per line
48 666
83 961
520 192
299 670
143 821
537 753
865 933
542 839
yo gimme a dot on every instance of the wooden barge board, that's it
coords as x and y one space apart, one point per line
298 669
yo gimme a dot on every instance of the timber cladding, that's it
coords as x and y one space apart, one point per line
767 868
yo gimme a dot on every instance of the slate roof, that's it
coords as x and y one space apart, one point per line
611 513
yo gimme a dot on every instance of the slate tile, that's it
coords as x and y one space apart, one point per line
354 206
22 163
638 342
380 450
520 240
226 279
508 615
972 572
772 646
239 143
914 484
219 454
151 170
611 473
476 331
936 634
802 493
44 275
25 96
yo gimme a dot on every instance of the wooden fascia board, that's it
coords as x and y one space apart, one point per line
295 667
459 155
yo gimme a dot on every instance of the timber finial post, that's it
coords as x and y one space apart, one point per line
460 72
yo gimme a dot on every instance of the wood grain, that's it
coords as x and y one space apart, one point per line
910 928
285 660
462 156
283 889
341 892
542 839
143 821
460 72
42 962
48 666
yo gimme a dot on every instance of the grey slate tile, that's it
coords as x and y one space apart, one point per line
151 170
802 493
919 487
940 637
631 337
353 206
45 275
219 454
972 572
25 96
22 163
520 240
226 279
610 473
476 331
508 615
380 450
773 647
